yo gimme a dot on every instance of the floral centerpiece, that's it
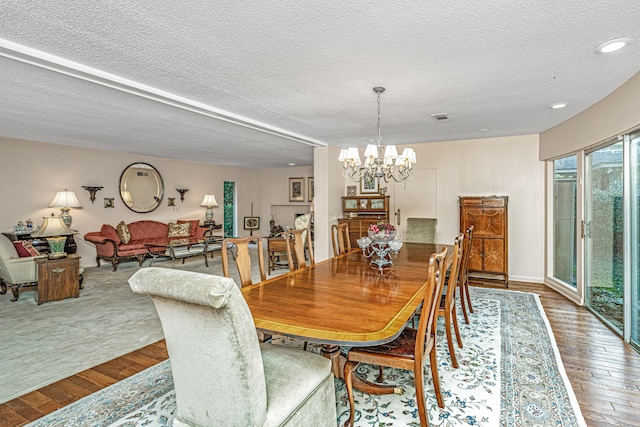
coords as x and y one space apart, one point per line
381 232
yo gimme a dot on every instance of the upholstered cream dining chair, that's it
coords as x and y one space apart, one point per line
421 230
222 375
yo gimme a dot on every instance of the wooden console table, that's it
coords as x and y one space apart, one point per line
58 278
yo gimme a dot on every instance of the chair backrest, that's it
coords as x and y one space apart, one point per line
296 249
421 230
435 280
212 343
7 250
340 239
243 258
458 255
463 273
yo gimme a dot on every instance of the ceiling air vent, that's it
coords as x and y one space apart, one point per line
440 117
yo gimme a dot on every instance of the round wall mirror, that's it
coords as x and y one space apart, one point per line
141 187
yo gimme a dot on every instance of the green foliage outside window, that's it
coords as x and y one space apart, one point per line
228 208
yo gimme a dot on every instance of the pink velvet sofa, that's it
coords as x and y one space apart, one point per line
109 245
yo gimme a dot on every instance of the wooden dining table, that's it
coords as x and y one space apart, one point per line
344 301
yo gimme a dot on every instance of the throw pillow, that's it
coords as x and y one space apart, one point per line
179 230
25 249
194 225
123 232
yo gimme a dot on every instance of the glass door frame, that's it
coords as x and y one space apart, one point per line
574 294
625 333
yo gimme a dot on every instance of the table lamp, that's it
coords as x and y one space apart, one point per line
65 200
55 231
209 201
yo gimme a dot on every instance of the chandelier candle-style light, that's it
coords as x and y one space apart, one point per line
379 161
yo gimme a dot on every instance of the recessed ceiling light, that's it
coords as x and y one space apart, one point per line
613 45
558 105
292 164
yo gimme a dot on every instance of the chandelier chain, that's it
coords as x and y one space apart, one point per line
381 163
379 139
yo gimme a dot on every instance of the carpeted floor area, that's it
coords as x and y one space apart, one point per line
44 343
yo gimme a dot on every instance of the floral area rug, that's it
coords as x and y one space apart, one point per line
510 374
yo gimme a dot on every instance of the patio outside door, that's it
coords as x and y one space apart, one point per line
604 234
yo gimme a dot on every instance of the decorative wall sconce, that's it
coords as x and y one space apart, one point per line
182 191
92 189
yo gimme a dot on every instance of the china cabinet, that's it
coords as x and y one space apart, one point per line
361 211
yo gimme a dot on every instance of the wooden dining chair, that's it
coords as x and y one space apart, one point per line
463 275
296 249
296 254
340 239
447 304
243 262
243 258
410 348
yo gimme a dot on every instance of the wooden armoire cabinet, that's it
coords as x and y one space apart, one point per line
490 243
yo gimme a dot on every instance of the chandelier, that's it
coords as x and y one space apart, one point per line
380 162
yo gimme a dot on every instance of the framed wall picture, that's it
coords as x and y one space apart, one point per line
369 185
351 190
251 222
310 190
296 189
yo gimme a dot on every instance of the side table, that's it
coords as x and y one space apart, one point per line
58 278
40 243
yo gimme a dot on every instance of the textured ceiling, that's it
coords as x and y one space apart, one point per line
258 83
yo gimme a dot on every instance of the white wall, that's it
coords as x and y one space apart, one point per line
272 196
492 166
33 172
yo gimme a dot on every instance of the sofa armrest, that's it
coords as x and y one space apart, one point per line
104 246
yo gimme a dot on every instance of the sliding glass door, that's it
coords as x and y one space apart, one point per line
564 220
634 237
604 234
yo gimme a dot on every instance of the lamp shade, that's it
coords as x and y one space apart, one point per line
65 199
209 201
52 226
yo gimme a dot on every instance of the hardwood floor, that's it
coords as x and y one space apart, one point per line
36 404
604 371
